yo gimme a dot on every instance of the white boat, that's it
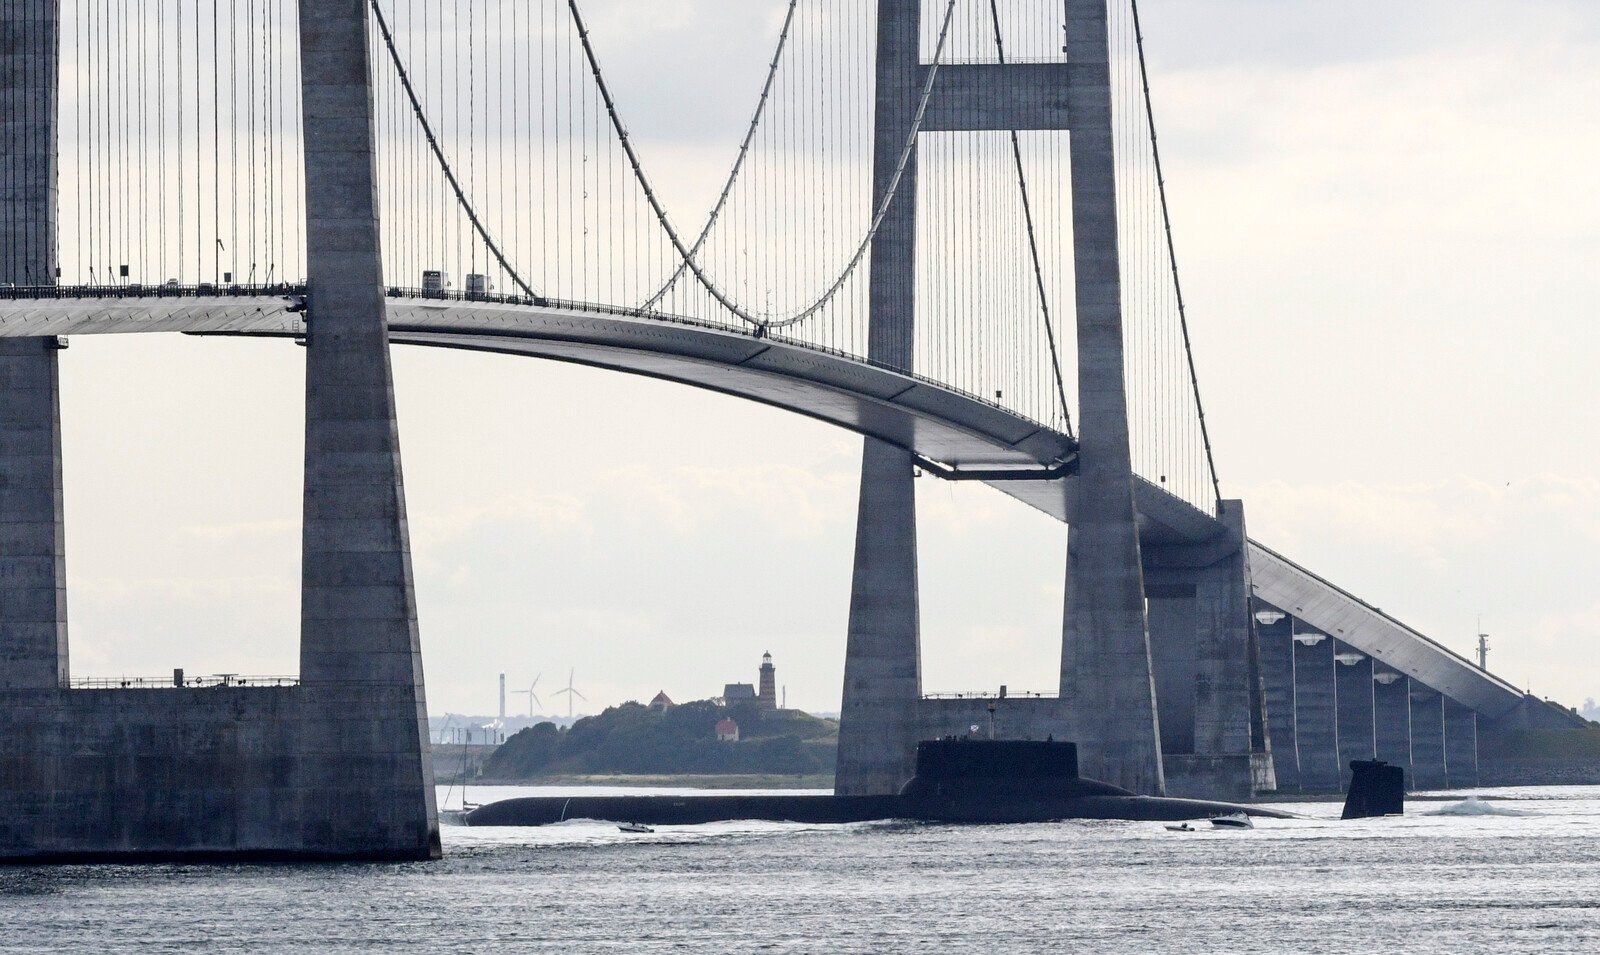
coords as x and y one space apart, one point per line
635 827
1232 820
1182 827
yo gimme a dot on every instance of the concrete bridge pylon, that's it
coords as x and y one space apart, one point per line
335 767
1107 702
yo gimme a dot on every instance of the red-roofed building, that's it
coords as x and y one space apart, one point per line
727 731
662 702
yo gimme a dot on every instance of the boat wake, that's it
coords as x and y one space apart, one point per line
1473 806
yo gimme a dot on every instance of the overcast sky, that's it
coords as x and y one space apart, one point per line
1387 218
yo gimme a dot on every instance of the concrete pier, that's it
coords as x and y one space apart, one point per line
1391 705
1427 739
882 675
1316 711
1355 706
1460 745
1106 671
33 596
1204 655
1276 647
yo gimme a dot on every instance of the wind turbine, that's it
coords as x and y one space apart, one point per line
571 692
532 696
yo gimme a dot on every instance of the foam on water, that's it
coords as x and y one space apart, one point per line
1474 806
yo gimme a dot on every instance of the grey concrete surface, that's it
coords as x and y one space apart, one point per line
1427 739
219 773
1106 670
988 96
1355 705
33 596
358 607
1316 711
1276 640
1391 707
1460 745
883 667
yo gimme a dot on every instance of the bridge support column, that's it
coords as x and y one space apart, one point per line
1391 705
367 768
1316 711
1427 738
33 594
1106 672
1275 639
883 667
1207 674
1460 745
1355 705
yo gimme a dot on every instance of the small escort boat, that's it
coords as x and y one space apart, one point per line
1232 820
638 827
1182 827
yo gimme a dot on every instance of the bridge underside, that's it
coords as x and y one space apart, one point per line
939 424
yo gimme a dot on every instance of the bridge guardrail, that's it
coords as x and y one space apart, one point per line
178 681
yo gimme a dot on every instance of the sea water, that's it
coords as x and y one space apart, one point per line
1464 879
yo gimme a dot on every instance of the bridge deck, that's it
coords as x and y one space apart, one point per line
934 421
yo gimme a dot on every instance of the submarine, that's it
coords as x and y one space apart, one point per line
957 781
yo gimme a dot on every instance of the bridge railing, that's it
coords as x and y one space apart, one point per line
1007 694
135 290
179 681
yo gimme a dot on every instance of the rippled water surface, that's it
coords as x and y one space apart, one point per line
1452 882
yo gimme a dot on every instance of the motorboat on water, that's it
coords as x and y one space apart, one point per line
1232 820
638 827
1182 827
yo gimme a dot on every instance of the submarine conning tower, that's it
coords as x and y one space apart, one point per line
959 766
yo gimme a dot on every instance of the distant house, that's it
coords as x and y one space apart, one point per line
727 731
738 693
662 702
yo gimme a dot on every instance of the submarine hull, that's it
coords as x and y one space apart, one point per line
957 781
695 810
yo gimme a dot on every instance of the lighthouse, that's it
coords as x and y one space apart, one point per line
767 698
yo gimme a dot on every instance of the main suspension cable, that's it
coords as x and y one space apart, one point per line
1033 241
665 222
438 153
738 163
1172 253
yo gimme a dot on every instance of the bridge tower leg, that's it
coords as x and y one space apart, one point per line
33 595
883 665
360 661
1106 674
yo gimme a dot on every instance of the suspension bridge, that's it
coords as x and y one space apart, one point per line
944 227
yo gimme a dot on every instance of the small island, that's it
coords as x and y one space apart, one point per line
703 743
